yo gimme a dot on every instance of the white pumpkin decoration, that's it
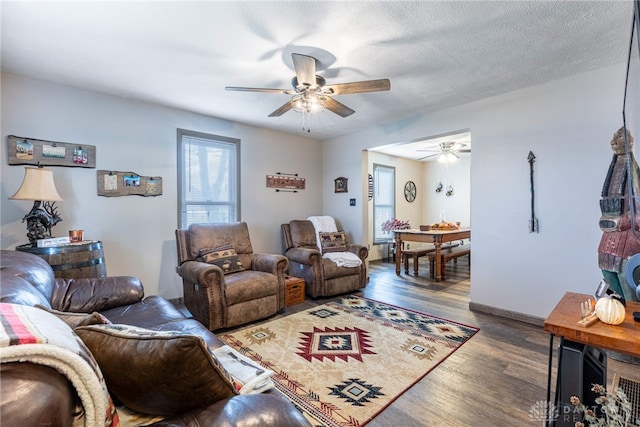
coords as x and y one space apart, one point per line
610 310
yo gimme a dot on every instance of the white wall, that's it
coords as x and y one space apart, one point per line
457 207
138 232
568 125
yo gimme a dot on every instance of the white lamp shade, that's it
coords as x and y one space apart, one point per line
37 185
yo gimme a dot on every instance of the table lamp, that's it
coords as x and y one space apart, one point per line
38 186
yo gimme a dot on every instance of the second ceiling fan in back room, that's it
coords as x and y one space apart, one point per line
448 151
311 94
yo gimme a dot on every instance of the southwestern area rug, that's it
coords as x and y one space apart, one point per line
343 362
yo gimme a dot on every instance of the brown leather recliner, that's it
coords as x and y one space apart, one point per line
220 300
322 276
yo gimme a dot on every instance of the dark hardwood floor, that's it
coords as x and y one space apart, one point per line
492 380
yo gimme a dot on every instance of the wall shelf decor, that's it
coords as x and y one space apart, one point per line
29 151
285 180
115 184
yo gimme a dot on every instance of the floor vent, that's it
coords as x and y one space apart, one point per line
632 389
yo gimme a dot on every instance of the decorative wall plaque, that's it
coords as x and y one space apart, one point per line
114 184
29 151
285 180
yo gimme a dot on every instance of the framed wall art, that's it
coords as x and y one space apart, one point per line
341 185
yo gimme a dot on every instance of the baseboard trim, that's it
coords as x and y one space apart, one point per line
508 314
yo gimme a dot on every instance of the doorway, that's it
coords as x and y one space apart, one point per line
436 173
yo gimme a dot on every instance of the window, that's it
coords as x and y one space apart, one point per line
208 178
384 200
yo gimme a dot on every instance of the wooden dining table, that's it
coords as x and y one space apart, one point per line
437 237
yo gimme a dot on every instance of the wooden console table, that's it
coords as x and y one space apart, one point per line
562 322
623 338
437 237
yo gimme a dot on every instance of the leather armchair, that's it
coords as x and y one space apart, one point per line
219 300
322 276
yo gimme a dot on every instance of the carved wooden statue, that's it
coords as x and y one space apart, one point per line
619 239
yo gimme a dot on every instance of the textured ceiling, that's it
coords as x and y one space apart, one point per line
436 54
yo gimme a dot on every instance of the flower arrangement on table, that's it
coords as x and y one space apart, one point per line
615 408
395 224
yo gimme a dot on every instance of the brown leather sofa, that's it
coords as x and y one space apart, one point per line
322 276
33 394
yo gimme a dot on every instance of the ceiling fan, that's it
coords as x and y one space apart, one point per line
310 92
447 151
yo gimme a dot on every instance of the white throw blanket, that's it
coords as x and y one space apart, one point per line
328 224
254 378
343 259
28 334
323 223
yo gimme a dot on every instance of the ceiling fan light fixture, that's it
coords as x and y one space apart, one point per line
447 157
308 102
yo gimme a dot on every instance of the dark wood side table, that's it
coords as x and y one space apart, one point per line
74 260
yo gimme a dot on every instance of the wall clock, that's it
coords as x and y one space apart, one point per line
410 191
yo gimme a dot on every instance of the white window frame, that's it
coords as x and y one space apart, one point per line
384 208
228 198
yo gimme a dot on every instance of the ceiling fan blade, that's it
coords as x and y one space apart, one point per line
283 109
337 107
305 67
256 89
426 157
358 87
467 150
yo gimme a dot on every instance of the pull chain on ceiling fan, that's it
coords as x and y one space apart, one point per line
311 94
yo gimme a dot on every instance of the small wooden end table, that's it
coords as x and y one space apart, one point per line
295 291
